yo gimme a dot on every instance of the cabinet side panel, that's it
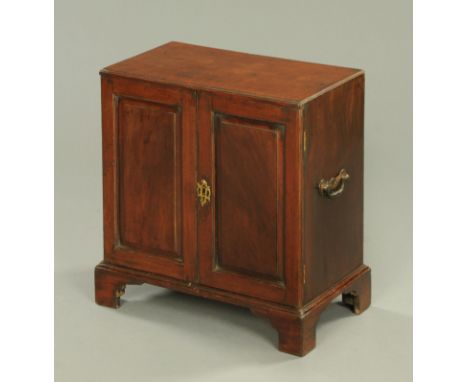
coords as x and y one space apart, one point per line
333 227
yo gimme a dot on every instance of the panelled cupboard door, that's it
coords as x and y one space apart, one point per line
248 165
149 161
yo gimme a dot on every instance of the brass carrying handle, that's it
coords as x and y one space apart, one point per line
333 187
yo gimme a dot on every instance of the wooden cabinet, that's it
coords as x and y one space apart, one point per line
238 178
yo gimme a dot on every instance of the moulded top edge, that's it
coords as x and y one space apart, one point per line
204 68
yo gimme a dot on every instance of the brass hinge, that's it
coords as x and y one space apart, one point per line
303 274
304 140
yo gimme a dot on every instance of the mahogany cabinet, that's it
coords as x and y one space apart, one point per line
238 178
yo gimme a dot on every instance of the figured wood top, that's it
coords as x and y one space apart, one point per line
199 67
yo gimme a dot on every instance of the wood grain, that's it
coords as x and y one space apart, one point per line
296 327
150 177
255 198
249 197
262 132
199 67
333 246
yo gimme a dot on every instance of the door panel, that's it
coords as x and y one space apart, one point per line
149 161
249 173
150 177
242 232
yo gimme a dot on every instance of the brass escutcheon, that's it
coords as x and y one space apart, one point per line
203 192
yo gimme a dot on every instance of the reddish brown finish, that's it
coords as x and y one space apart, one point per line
249 197
147 181
259 119
296 332
334 245
199 67
149 143
358 295
262 132
110 286
295 326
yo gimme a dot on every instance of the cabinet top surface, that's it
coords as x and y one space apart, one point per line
199 67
